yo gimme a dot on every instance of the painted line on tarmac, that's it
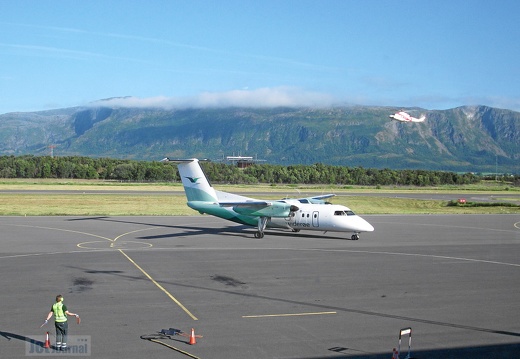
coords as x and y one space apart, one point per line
287 315
173 348
137 230
159 286
45 253
113 245
85 244
59 229
413 255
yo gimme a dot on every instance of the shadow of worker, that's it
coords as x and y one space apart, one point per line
22 338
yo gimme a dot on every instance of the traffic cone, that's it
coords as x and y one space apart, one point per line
47 342
192 337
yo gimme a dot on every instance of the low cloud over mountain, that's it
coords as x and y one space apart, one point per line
258 98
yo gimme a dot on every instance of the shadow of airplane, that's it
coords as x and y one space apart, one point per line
238 230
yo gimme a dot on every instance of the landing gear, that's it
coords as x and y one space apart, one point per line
355 237
262 223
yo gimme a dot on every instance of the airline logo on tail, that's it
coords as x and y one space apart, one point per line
193 179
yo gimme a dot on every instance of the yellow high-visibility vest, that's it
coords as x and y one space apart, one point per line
59 313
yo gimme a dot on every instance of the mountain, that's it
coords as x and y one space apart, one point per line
469 138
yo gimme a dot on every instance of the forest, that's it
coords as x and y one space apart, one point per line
76 167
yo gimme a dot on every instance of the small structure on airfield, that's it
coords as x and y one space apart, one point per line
243 161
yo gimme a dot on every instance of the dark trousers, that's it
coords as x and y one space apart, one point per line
61 334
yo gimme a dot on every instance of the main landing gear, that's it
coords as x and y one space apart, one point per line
355 237
262 223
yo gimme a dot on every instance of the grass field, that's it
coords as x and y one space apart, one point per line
89 198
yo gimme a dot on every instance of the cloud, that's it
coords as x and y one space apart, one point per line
262 97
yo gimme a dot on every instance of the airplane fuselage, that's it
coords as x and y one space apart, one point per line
324 217
311 213
313 217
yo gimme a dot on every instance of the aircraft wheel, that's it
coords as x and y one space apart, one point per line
355 237
259 235
295 230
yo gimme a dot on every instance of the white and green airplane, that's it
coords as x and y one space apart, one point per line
311 213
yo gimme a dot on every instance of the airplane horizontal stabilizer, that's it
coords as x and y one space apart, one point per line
184 160
323 196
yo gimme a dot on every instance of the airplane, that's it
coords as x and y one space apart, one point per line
311 213
405 117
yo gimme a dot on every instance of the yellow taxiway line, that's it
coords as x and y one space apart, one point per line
159 286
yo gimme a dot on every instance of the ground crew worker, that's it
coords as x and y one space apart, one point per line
60 322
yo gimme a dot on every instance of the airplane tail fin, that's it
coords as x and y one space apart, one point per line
195 182
421 119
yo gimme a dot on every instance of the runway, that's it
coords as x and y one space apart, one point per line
454 279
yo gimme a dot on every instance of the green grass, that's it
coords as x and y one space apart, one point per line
150 199
92 204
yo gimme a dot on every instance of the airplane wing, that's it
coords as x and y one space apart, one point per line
245 204
314 200
261 208
323 196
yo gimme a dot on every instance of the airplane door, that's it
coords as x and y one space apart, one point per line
315 219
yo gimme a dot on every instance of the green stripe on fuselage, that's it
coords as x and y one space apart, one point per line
195 194
215 209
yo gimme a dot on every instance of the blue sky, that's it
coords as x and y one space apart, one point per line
432 54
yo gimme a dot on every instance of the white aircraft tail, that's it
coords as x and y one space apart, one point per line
420 119
195 182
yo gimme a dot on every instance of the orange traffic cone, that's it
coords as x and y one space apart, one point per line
192 337
47 341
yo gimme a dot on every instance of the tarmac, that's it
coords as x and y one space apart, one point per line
453 279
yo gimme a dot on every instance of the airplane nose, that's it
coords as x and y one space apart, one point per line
363 226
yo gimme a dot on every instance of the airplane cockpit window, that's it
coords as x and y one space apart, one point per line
344 213
303 200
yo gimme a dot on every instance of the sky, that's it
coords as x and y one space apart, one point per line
195 53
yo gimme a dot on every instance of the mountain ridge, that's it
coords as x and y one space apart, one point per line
468 138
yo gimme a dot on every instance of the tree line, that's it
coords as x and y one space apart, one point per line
153 171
